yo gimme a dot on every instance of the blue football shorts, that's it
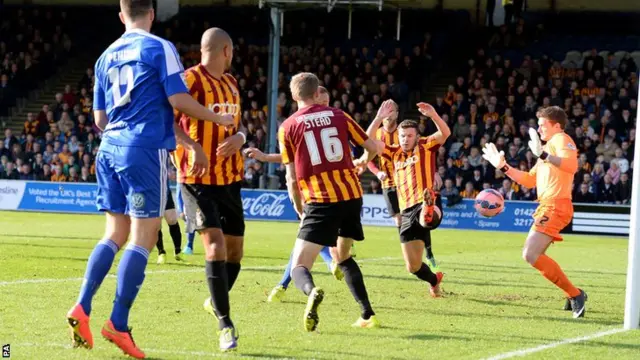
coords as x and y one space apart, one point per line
132 180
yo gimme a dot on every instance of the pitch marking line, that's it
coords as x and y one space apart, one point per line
555 344
152 272
152 351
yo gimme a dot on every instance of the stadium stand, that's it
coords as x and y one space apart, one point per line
49 132
360 72
45 97
496 98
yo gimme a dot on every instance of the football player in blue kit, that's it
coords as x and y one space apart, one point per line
139 80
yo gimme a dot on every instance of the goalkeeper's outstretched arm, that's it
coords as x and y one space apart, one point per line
496 158
524 178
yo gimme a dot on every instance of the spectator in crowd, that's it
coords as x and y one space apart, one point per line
449 190
507 190
583 195
469 191
624 190
607 192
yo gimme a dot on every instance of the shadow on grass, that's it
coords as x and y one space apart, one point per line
54 258
613 345
35 236
461 266
457 282
334 353
20 245
515 302
431 337
260 355
521 317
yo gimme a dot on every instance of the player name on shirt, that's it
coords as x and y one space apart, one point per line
317 119
124 55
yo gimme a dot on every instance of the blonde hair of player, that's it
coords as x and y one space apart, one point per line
305 89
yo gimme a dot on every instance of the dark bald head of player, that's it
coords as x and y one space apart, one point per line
323 96
216 47
305 89
137 14
408 134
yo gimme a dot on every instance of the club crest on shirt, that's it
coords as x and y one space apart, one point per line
570 146
410 161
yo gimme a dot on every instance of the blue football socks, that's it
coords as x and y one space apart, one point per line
130 278
190 237
326 256
98 266
286 277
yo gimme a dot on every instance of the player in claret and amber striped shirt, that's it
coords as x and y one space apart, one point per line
212 201
277 293
314 143
388 134
414 162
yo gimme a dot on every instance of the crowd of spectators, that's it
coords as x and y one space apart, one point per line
57 144
32 45
495 100
492 100
60 142
358 79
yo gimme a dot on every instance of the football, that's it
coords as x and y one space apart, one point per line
489 203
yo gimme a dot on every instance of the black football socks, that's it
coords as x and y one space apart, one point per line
424 273
233 270
355 281
216 273
176 236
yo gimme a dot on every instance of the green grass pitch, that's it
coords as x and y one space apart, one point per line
494 302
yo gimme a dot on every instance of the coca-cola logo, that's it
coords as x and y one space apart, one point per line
266 205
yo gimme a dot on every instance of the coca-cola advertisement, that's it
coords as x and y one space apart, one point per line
267 205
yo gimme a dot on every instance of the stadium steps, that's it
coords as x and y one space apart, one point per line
69 74
441 83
